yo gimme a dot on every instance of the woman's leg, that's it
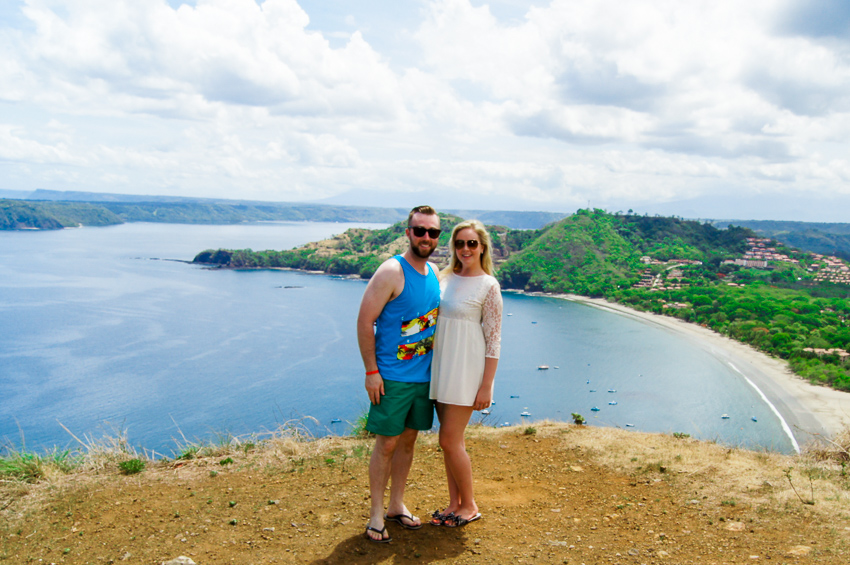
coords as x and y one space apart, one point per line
453 423
454 499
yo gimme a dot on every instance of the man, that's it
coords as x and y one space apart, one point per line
401 302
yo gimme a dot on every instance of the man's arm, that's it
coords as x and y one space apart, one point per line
386 284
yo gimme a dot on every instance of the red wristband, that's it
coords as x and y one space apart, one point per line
372 372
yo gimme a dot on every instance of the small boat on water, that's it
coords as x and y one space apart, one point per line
754 419
493 403
556 367
543 367
533 322
525 413
593 390
485 412
612 390
509 314
595 409
336 421
630 425
505 425
612 403
514 396
725 417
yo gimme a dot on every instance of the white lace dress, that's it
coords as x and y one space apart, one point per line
469 328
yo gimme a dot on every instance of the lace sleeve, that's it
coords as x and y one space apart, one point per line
491 320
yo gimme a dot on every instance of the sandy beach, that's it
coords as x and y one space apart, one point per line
810 411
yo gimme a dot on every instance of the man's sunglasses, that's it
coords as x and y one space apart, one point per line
419 231
469 243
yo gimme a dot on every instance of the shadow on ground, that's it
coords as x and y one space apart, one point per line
426 545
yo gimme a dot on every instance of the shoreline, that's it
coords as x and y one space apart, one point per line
811 412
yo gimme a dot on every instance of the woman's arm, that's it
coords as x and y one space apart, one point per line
491 323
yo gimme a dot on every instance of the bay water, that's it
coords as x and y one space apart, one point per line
105 329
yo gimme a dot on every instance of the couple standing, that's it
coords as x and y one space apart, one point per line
402 302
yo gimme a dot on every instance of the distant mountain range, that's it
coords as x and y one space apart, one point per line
54 209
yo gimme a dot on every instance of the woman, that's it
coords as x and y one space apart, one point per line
466 353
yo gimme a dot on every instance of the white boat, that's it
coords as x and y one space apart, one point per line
336 421
630 425
525 413
485 412
542 367
725 416
595 409
612 390
613 403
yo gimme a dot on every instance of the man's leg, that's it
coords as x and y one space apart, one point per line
379 474
401 462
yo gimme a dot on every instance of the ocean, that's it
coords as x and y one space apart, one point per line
109 330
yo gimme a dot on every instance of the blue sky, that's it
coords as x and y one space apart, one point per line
705 109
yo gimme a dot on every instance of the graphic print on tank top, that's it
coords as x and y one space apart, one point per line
413 327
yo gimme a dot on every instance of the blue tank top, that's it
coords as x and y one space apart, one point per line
404 336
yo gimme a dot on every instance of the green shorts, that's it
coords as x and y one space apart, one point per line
404 405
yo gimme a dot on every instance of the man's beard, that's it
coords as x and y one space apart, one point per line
416 251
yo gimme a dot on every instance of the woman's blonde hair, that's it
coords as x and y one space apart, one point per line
483 242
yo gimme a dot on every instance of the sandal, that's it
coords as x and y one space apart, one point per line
377 531
438 518
455 521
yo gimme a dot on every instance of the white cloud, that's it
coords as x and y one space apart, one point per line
518 104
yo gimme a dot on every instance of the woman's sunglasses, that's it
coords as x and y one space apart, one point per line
470 243
419 231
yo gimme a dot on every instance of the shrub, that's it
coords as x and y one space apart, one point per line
131 466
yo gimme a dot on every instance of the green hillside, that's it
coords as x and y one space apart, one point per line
20 214
818 237
358 251
594 253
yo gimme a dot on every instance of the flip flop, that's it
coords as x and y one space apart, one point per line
398 519
377 531
455 521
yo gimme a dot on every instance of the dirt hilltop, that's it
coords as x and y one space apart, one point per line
551 493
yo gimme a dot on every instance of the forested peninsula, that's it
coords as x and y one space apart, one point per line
786 302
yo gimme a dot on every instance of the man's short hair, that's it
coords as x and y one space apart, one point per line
427 210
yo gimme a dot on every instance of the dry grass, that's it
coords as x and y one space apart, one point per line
27 479
836 450
724 475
